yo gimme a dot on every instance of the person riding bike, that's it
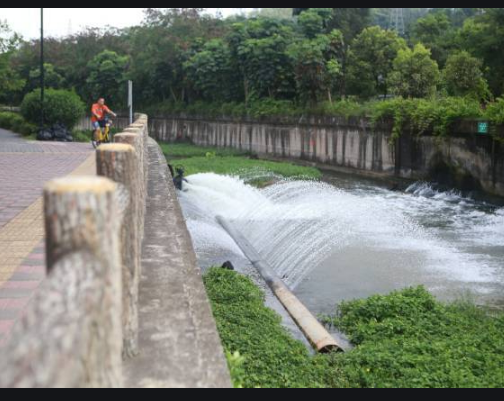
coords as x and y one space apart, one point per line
99 113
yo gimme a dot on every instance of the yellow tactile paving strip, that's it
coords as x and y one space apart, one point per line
20 236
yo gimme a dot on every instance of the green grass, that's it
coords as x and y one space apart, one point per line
82 136
187 150
404 339
256 172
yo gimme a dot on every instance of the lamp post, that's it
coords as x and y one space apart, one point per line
42 72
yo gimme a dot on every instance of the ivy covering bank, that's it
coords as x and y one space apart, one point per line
404 339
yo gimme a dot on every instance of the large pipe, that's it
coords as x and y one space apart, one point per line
318 336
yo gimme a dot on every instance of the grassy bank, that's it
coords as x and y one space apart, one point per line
197 159
405 339
409 339
269 356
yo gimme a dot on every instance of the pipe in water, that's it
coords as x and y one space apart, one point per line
318 336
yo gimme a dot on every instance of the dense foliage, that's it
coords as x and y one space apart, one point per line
16 123
262 353
60 107
404 339
409 339
271 63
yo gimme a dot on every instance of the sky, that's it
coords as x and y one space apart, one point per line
63 21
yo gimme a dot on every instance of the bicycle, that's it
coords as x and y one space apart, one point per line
104 136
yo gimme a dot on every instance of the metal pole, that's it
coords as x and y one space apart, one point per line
318 336
130 101
42 72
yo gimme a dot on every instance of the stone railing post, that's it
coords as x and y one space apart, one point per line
119 163
71 333
140 128
135 140
81 214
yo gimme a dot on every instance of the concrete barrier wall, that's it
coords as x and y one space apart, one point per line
466 159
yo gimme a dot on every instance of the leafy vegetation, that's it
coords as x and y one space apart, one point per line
261 352
495 112
463 76
371 61
60 106
16 123
107 74
11 81
185 55
415 74
404 339
421 115
324 61
409 339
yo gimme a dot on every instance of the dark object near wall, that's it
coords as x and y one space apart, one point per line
178 179
57 132
228 266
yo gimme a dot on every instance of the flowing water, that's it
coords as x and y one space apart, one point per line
349 238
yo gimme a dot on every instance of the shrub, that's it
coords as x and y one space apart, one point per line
60 106
261 353
495 112
16 123
409 339
424 115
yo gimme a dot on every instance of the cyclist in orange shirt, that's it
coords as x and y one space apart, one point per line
99 112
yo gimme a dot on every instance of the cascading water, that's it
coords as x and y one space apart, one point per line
347 238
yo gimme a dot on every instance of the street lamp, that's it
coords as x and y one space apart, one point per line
42 72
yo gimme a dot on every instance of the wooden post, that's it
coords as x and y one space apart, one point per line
119 163
134 140
81 215
141 129
71 334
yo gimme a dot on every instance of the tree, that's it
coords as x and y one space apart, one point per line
52 78
435 31
8 39
11 84
415 73
317 66
371 61
463 76
314 21
350 21
107 77
211 72
483 37
258 48
167 39
276 13
381 17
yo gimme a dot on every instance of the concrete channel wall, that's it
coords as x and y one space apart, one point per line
465 159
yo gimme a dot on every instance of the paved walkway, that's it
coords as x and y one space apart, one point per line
24 169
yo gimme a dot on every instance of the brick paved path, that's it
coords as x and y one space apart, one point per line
24 169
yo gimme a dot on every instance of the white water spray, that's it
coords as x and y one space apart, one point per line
297 225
